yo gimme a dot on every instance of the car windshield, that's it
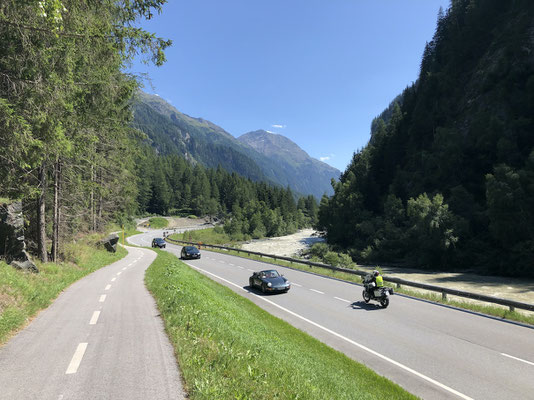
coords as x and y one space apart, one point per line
159 240
271 274
191 249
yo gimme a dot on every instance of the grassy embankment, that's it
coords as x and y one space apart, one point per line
206 235
24 294
158 223
228 348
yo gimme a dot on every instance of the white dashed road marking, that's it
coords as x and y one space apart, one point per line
295 284
251 270
107 287
94 318
76 359
102 298
316 291
113 279
120 272
340 299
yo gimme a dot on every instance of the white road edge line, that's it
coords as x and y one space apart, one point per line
316 291
340 299
385 358
107 287
94 318
76 359
518 359
102 298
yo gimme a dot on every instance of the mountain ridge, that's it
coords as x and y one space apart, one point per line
170 131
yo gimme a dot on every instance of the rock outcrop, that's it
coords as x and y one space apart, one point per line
12 244
110 242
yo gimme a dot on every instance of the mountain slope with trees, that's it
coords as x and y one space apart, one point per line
447 178
171 132
304 173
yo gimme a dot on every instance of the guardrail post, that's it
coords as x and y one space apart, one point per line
512 308
398 286
443 296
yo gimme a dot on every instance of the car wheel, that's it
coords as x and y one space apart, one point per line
251 283
263 289
164 246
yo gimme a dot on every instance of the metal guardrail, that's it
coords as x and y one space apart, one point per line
399 282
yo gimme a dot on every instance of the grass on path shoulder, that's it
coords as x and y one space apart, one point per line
210 235
229 348
23 294
158 223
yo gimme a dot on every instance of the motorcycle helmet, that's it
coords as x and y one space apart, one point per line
376 273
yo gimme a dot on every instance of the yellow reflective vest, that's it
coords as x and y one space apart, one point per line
379 281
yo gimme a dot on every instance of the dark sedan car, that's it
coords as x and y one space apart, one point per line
269 281
189 252
159 242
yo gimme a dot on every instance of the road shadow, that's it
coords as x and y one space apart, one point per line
258 292
362 305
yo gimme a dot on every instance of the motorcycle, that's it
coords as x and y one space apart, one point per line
371 292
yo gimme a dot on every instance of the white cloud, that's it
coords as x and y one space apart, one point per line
270 132
278 126
323 159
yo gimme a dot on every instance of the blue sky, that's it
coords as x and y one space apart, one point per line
316 71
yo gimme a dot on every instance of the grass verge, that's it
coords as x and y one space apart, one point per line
492 310
229 348
23 294
158 222
210 235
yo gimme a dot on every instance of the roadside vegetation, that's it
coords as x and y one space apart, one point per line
158 223
215 235
23 294
242 352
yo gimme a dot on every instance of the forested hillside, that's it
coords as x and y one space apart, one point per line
447 178
170 184
66 146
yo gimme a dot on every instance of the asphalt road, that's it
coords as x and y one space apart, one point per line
433 351
101 339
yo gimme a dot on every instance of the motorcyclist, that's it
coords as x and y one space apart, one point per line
377 279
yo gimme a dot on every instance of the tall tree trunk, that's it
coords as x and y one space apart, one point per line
57 210
100 200
93 208
41 240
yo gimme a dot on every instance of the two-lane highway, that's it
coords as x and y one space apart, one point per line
101 339
433 351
